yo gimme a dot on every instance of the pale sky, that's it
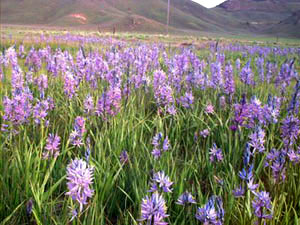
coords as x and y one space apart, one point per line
209 3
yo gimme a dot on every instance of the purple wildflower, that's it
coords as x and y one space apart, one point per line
246 173
161 181
29 206
163 92
88 104
276 161
156 139
247 75
17 109
29 77
229 83
215 154
260 67
279 169
204 133
171 110
110 103
74 214
77 134
238 64
294 103
185 199
257 140
41 109
80 177
238 192
70 84
156 152
21 53
52 146
11 56
272 109
285 76
216 75
42 83
251 185
250 114
87 153
209 109
124 157
262 205
33 60
247 155
290 130
212 212
154 210
233 127
207 214
270 67
159 145
294 156
166 144
17 79
187 100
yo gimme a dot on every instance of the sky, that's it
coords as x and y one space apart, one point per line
209 3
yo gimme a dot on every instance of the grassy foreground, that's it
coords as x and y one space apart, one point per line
220 121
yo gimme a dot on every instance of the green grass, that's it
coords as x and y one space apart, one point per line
119 189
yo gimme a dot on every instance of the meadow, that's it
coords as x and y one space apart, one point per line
105 130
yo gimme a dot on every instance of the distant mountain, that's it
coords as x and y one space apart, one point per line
294 19
257 5
273 17
125 15
290 26
244 17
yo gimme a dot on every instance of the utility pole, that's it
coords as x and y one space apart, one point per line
168 19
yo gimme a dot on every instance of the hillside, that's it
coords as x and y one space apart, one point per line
290 25
259 10
254 5
244 17
129 15
273 17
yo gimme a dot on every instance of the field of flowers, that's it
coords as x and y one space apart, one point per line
103 131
